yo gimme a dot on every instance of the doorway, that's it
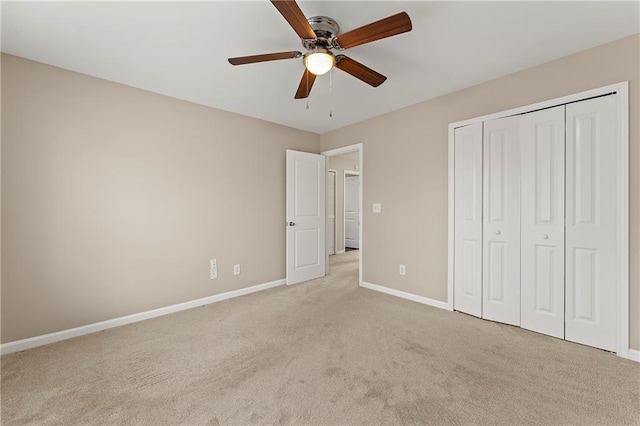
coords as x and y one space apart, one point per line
345 168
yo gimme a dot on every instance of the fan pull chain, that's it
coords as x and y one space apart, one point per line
331 92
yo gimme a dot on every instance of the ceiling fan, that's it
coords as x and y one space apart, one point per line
321 34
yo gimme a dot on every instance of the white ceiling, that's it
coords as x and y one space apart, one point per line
180 49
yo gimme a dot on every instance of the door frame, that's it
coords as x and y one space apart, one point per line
358 147
346 173
622 91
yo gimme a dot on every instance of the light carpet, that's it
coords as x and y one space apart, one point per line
322 352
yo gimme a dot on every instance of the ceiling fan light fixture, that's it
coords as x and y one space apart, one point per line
319 61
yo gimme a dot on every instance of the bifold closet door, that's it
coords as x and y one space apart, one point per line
542 221
592 221
467 275
501 221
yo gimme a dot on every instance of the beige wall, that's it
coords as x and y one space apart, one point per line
114 199
340 164
406 166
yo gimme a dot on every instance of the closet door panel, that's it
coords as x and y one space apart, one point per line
542 234
501 222
331 213
468 219
591 223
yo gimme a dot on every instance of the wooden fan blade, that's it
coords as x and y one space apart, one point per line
241 60
359 71
290 10
387 27
306 83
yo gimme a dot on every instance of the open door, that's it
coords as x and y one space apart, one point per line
306 181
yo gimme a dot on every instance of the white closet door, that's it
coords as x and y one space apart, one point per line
467 275
352 212
542 234
331 213
591 223
501 223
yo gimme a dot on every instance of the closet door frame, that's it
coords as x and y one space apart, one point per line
621 91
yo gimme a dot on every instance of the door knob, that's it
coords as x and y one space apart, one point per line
497 232
291 224
545 237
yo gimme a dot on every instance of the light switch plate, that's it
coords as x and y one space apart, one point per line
377 208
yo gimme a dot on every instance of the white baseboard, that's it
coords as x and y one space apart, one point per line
633 354
45 339
340 252
405 295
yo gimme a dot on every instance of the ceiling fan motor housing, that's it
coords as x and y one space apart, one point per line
326 29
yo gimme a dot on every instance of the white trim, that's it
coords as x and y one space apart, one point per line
340 252
622 90
346 150
343 150
634 355
361 164
45 339
617 87
623 238
405 295
450 220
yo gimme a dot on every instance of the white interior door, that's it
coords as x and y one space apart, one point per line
352 211
331 212
306 179
592 221
501 221
542 221
467 273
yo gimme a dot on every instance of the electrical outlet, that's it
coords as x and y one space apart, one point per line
213 269
403 270
236 269
377 208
